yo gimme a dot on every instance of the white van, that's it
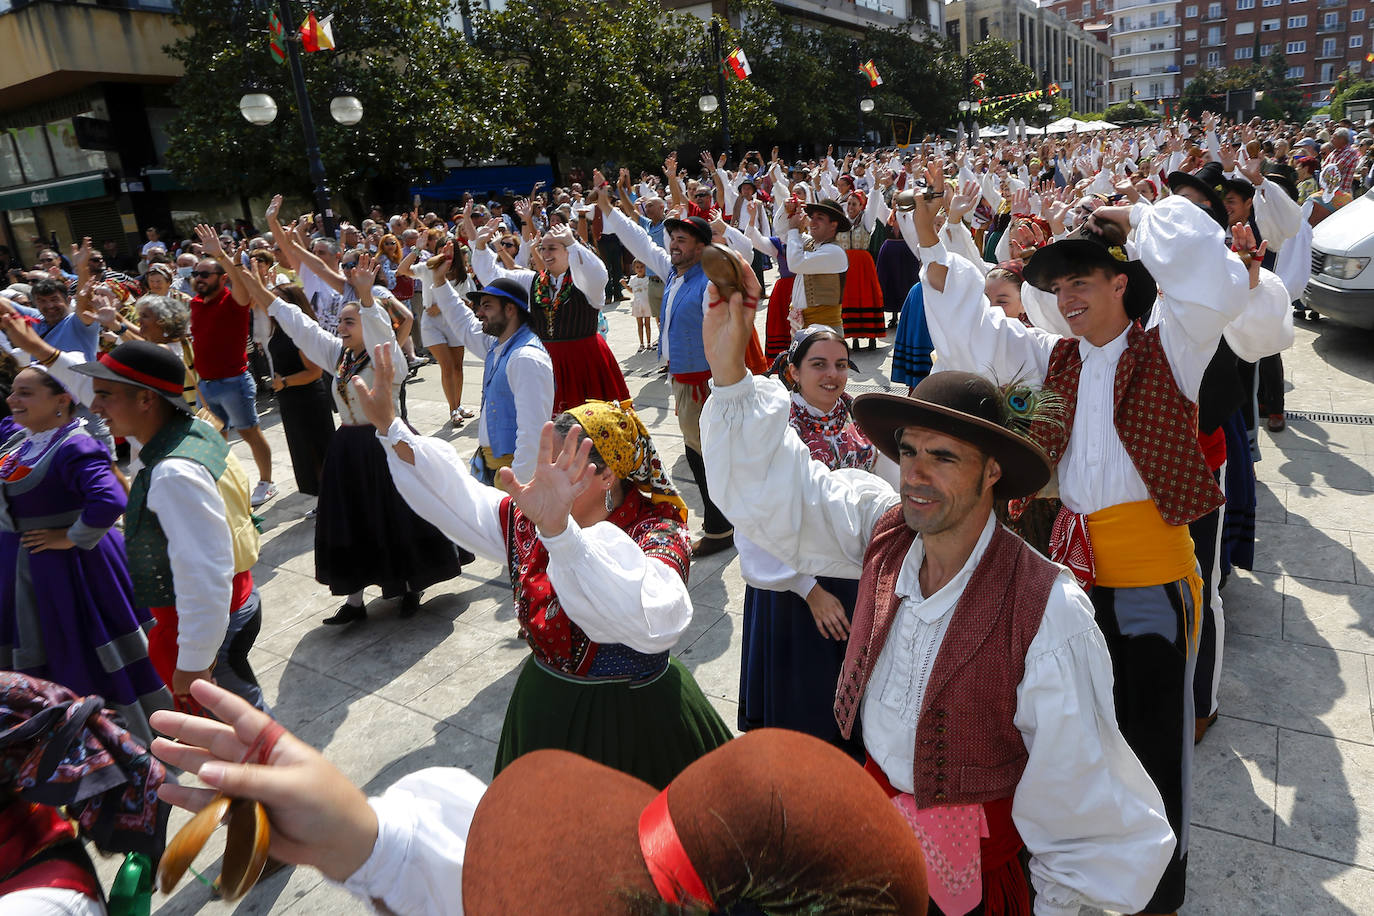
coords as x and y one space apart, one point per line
1342 283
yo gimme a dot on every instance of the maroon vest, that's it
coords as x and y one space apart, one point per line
968 749
1156 422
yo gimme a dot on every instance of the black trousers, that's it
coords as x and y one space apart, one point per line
1148 633
1270 391
1206 533
714 522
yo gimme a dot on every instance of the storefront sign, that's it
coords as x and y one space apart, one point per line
54 192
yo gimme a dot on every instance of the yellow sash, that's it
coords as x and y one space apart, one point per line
1133 547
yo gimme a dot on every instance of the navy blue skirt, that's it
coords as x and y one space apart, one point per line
788 669
911 351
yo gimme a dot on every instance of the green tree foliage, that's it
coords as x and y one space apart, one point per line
1003 74
424 96
609 83
1129 112
1349 88
1282 97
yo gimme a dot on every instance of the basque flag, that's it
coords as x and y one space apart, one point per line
739 64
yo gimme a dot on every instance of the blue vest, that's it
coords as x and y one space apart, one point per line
498 401
686 352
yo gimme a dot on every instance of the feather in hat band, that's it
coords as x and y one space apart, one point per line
622 440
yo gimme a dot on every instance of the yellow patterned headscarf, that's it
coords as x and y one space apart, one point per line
620 437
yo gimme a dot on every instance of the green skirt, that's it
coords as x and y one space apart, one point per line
651 732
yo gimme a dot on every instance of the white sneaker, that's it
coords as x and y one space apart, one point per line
264 491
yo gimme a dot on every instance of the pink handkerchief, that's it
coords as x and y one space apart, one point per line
951 838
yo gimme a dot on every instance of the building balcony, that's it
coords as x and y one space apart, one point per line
55 48
1123 5
1334 55
1145 26
1139 72
1330 4
1327 28
1137 50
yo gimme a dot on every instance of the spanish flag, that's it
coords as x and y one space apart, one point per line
317 34
739 64
870 70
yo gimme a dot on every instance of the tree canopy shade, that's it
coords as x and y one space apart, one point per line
1282 97
610 83
425 97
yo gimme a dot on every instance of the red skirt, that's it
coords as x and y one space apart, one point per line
584 370
777 330
863 299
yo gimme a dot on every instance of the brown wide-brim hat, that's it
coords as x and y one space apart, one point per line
1073 255
770 817
963 405
832 209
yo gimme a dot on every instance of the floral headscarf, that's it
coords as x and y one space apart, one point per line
620 437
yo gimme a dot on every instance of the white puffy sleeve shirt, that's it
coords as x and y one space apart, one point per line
605 583
1110 845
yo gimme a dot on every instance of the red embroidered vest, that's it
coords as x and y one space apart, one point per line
968 749
1156 422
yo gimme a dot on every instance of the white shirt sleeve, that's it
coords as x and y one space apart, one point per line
827 259
416 866
462 320
79 386
972 336
440 489
319 346
183 496
761 242
1277 215
739 242
817 521
634 237
1266 326
616 592
589 274
876 210
486 268
377 331
761 569
727 186
529 373
1110 846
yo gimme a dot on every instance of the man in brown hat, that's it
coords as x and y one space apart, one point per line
818 261
1131 472
984 685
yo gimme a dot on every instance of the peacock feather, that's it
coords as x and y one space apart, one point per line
1025 404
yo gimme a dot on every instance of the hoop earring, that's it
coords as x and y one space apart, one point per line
609 507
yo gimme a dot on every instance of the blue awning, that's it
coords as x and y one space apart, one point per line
491 181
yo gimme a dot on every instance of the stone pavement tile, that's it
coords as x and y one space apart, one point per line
1325 787
1330 510
716 582
1335 614
1230 875
704 618
321 648
1270 497
729 711
474 698
485 606
1252 603
289 598
1338 470
714 659
450 747
366 736
1300 549
291 546
417 656
298 695
1308 436
1234 778
1308 398
1304 688
1363 547
325 898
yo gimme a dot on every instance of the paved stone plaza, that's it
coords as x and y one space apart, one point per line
1283 821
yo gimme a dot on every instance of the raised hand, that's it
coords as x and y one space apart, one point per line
547 499
1020 202
670 166
376 401
728 325
274 208
81 254
563 235
1250 169
1126 187
363 275
1227 155
23 336
209 239
1252 256
964 202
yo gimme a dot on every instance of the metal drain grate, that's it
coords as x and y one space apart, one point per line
1352 419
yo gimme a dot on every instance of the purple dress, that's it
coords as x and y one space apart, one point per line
68 615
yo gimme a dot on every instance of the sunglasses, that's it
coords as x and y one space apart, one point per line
509 245
349 265
206 274
702 195
48 259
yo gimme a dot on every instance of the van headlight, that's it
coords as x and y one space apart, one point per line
1344 268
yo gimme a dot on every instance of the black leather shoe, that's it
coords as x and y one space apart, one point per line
704 547
347 614
410 604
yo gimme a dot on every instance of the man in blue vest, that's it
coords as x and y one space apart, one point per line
679 339
517 382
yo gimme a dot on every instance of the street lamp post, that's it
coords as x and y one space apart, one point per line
708 102
261 109
1044 108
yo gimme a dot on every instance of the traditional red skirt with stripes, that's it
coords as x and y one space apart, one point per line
777 330
863 298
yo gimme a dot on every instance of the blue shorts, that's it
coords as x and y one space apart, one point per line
232 399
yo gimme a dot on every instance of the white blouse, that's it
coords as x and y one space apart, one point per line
1109 847
324 349
604 581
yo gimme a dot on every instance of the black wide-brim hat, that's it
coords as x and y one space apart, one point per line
963 405
1237 185
832 209
1074 255
1283 181
1206 182
504 288
143 365
692 224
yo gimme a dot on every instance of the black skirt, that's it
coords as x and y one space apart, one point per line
307 418
365 533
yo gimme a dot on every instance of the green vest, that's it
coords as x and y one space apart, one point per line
150 567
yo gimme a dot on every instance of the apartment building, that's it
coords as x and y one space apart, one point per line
1318 38
1057 49
1146 62
852 14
